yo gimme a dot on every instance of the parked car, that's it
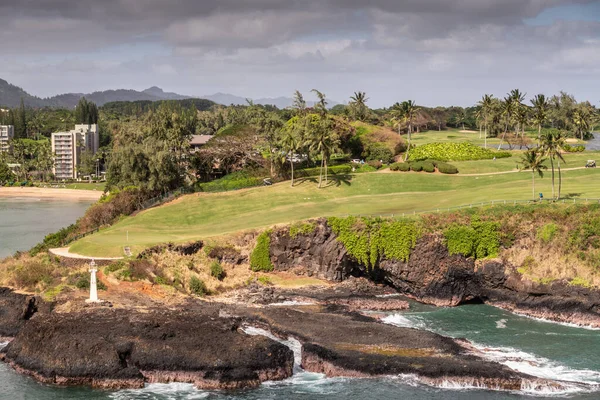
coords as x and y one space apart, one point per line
591 164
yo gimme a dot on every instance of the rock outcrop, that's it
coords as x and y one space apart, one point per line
433 276
15 310
110 348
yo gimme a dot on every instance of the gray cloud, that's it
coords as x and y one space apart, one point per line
419 48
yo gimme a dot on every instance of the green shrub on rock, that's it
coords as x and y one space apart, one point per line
260 259
197 287
217 271
546 233
479 240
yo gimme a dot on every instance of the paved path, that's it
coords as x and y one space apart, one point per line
64 252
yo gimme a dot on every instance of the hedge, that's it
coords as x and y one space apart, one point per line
334 170
260 259
454 152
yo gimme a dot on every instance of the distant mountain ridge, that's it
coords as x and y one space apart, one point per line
11 95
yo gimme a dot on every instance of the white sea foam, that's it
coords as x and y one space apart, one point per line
538 366
3 345
385 296
549 321
292 303
403 322
179 391
501 324
300 377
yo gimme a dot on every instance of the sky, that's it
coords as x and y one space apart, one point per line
436 52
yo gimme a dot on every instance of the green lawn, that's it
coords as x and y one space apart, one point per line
574 160
200 216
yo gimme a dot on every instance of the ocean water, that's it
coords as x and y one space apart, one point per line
25 221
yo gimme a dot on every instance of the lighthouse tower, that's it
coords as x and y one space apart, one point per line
93 285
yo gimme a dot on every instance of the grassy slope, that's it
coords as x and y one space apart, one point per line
205 215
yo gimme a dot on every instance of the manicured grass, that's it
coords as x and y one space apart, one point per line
574 160
208 215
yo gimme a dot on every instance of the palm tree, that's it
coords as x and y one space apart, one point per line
299 103
358 104
487 108
552 147
409 112
290 143
582 119
540 112
533 160
321 105
322 140
508 110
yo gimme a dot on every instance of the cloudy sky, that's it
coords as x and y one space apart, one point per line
437 52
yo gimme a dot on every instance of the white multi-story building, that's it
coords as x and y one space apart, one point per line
68 146
7 133
90 137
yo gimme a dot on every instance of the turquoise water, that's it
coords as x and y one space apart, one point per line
24 221
535 347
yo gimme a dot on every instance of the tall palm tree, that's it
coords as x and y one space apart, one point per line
508 111
582 119
487 108
552 147
540 112
321 105
299 103
290 143
533 160
322 140
409 112
358 104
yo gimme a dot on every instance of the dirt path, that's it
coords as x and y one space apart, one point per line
64 252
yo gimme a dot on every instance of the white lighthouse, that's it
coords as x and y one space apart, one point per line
93 285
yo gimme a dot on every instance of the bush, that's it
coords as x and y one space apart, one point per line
480 240
83 283
375 164
335 170
264 280
234 181
379 152
54 240
109 269
546 233
416 166
446 168
260 259
197 287
573 149
302 228
217 271
454 152
428 167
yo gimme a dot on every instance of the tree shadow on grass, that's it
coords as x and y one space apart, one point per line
571 196
339 180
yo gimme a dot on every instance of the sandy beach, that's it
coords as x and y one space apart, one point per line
48 193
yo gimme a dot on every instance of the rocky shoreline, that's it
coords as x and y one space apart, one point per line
205 343
433 276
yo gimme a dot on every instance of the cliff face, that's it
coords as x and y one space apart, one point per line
433 276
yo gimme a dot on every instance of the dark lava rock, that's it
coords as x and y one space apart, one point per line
16 309
227 255
181 249
111 348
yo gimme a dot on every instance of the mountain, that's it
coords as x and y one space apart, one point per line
11 95
279 102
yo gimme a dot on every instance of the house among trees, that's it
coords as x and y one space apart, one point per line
198 141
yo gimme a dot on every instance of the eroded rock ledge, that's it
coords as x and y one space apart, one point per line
117 349
433 276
